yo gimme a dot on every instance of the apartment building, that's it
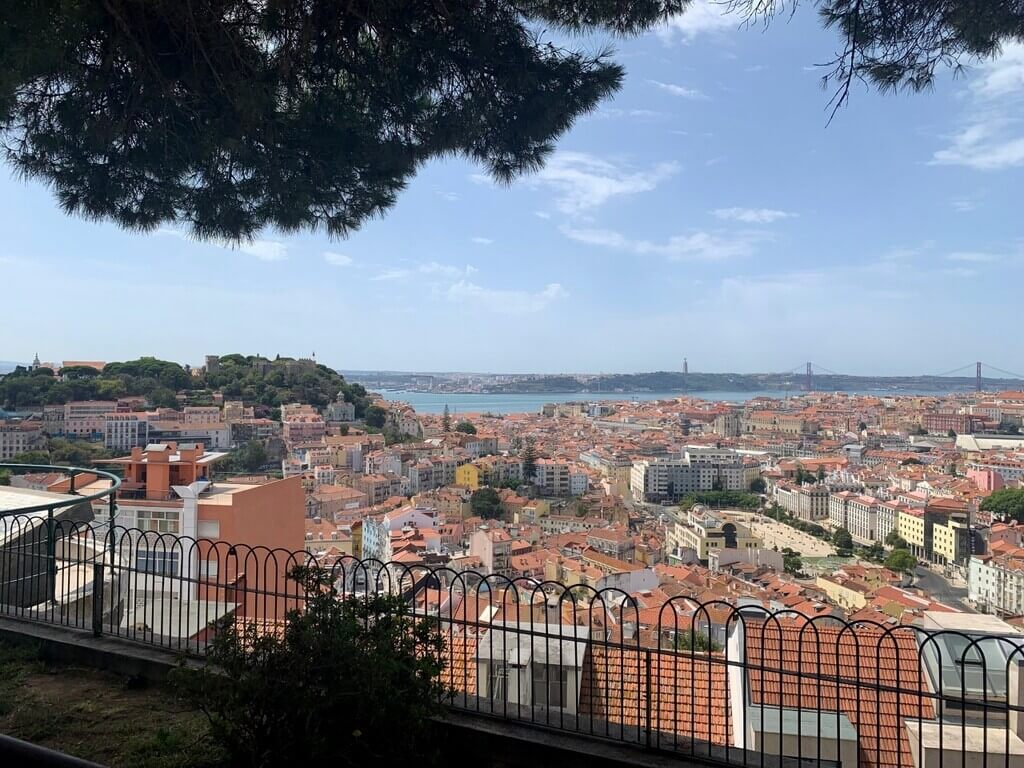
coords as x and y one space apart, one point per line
776 422
20 436
699 469
301 428
85 419
808 502
377 529
862 519
124 431
167 489
494 548
378 488
961 423
552 477
996 583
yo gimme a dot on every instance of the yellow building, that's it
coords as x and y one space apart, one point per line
846 593
468 475
950 542
912 530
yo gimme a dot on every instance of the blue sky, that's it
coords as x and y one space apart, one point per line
708 211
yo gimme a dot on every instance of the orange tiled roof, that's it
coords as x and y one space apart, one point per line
837 671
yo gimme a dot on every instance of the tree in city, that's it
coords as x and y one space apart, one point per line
874 552
895 541
336 681
820 474
843 541
465 427
757 485
862 427
695 640
1007 503
951 434
529 457
792 563
231 116
486 503
901 561
163 397
446 420
249 458
375 417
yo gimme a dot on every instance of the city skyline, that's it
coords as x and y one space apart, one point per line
701 236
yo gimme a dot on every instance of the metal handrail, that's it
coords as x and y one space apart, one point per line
108 493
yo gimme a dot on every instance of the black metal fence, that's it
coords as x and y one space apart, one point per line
747 684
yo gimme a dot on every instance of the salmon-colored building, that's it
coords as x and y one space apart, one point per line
168 489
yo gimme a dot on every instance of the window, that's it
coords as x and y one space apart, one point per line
158 520
209 529
550 685
157 562
498 680
208 569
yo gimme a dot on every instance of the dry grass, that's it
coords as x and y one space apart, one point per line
99 716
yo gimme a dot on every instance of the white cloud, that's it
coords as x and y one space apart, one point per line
984 146
679 90
337 259
1002 75
392 274
542 214
265 250
508 302
974 257
752 215
698 246
990 138
963 204
482 240
700 17
427 268
614 112
582 181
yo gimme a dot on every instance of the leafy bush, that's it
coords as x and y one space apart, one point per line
351 679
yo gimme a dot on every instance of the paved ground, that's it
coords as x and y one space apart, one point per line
776 534
941 589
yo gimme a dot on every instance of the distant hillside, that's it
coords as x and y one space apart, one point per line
6 366
254 380
674 381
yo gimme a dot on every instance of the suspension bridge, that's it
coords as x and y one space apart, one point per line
811 369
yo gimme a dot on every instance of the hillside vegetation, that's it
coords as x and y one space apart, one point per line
255 380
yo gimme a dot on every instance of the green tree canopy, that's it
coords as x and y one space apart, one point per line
842 539
352 676
894 540
466 427
1006 502
232 115
694 640
229 116
375 416
901 561
486 503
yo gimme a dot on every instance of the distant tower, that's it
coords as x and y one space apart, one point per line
977 377
686 366
809 379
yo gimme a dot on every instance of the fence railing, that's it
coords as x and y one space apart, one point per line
717 682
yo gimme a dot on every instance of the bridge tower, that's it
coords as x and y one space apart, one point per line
977 377
809 379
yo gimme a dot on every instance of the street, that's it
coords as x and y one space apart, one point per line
941 590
